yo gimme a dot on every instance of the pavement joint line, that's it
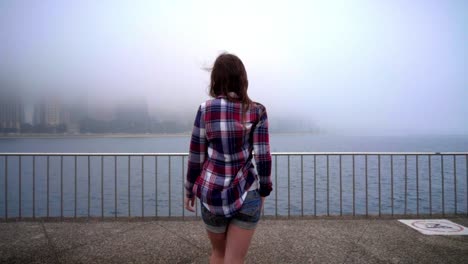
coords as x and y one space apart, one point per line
50 243
357 242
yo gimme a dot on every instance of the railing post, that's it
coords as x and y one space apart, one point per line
169 184
328 186
34 188
19 187
89 186
391 181
302 186
155 186
341 186
378 156
354 187
48 186
128 196
406 183
443 187
429 157
61 188
367 196
115 186
455 181
276 186
102 187
6 188
289 190
315 185
417 185
183 189
75 186
142 186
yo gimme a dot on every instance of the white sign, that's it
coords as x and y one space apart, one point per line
436 226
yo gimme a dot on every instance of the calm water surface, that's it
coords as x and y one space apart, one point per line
279 143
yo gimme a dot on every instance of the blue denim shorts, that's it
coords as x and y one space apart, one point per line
247 217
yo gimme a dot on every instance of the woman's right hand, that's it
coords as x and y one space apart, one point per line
190 203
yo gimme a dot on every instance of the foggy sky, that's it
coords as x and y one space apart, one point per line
353 67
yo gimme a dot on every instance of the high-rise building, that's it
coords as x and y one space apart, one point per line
48 113
38 114
52 112
11 113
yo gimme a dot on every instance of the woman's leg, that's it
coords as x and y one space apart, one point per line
218 246
237 244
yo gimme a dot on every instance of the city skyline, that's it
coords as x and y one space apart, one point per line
51 114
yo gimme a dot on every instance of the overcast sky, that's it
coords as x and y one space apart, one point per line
370 67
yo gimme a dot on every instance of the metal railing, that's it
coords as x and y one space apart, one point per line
48 185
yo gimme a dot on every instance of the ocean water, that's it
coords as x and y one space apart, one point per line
279 143
309 185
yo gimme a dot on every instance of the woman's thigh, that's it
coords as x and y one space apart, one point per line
218 242
237 243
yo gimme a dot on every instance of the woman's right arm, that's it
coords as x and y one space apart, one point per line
197 153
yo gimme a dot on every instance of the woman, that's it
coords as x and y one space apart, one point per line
229 131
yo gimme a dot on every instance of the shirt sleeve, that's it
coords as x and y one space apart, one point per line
262 153
197 153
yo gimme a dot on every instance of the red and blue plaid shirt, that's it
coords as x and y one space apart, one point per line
223 143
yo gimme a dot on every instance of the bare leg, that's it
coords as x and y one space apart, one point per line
218 246
237 244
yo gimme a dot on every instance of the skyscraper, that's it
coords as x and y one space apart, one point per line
11 113
48 113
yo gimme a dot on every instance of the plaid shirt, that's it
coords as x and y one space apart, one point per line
220 168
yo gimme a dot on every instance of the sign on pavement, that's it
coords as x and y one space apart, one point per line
436 226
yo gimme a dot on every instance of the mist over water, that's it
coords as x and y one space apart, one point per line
360 67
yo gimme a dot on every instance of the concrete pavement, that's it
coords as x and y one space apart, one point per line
276 241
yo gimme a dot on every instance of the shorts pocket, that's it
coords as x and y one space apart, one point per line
252 204
211 219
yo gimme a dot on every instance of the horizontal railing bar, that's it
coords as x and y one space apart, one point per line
93 219
273 153
94 154
365 153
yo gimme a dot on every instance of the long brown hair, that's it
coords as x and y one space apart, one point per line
229 75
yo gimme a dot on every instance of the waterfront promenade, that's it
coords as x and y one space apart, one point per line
295 240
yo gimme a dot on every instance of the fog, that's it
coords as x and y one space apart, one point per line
349 67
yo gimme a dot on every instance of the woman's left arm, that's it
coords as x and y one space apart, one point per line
261 144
